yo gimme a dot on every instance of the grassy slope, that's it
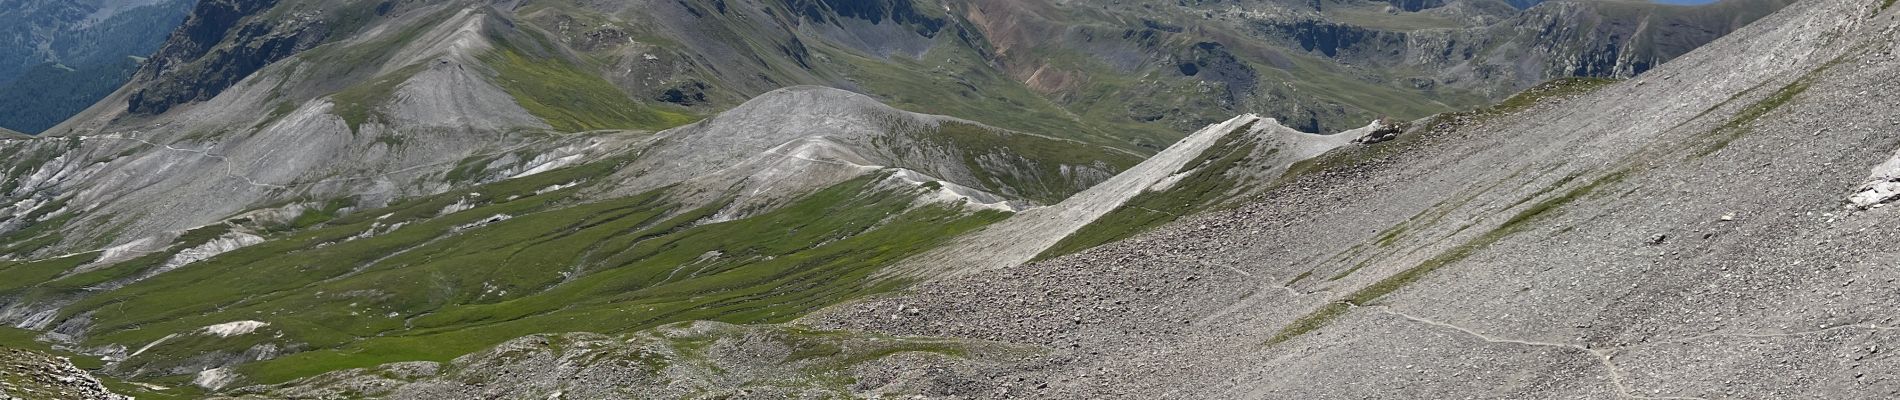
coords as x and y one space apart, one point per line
953 80
1036 163
572 99
569 96
424 292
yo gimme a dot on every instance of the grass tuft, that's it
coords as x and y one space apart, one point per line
1366 296
1743 121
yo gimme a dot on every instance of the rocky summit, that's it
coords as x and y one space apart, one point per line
949 199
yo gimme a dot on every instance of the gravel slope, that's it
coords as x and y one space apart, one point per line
1683 235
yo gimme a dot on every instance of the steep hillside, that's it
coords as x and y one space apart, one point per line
364 120
1705 231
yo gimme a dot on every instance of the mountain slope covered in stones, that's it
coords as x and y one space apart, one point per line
1712 229
1722 242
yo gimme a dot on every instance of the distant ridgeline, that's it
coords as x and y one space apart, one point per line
59 57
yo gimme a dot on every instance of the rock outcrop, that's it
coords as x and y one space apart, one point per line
27 374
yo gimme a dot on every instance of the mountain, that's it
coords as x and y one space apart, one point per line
41 375
1710 229
70 53
312 189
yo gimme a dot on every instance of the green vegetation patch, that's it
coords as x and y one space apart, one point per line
574 100
361 103
1556 88
1037 163
321 213
624 270
432 287
20 274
